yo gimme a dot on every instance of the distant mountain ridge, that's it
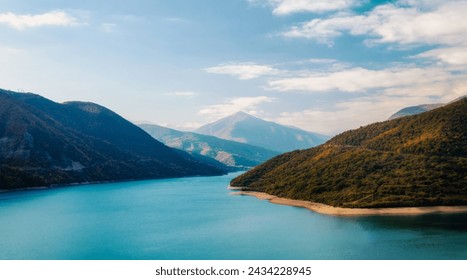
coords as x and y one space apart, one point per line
245 128
235 154
44 143
414 110
414 161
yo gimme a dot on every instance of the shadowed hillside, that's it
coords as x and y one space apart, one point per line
44 143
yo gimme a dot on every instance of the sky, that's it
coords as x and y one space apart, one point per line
323 66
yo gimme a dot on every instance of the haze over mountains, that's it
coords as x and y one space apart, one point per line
411 161
414 110
44 143
234 154
242 127
417 109
418 160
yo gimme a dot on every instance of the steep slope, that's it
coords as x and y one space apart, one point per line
418 160
44 143
230 153
245 128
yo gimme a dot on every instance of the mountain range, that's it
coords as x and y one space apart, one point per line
244 128
413 161
44 143
233 154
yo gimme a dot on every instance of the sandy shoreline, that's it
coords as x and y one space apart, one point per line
338 211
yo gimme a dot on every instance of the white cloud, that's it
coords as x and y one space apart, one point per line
247 104
182 93
53 18
361 79
322 60
442 22
352 114
286 7
388 91
344 116
325 30
243 71
456 56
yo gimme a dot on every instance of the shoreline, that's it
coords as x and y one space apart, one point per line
65 185
339 211
56 186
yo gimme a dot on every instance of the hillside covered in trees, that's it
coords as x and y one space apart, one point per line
412 161
43 143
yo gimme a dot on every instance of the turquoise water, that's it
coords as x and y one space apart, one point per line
196 218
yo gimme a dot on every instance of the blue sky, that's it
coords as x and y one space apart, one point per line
324 66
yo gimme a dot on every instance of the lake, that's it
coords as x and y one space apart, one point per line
197 218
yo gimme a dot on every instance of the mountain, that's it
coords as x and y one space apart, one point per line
44 143
414 110
418 160
245 128
234 154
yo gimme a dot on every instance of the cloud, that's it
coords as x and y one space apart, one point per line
321 61
438 75
53 18
403 23
355 113
9 50
247 104
346 115
456 56
108 27
286 7
243 71
176 20
360 79
189 126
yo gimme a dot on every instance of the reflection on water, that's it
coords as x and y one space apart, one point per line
427 223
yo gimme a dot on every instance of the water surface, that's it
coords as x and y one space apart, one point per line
196 218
